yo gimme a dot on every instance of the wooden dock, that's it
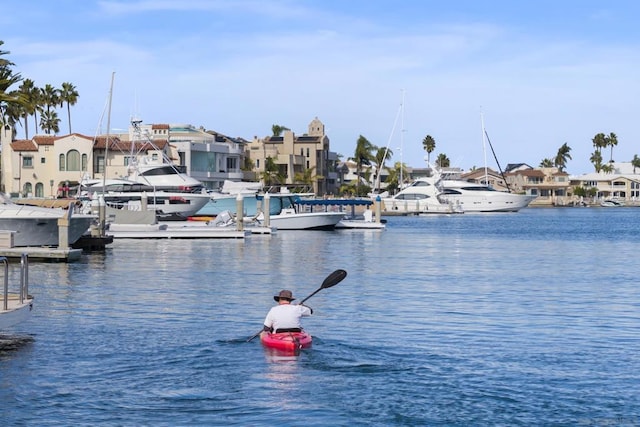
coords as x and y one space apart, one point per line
42 253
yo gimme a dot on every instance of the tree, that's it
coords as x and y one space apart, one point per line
271 174
277 130
363 157
30 93
50 98
612 141
546 163
68 95
380 158
10 101
429 144
561 158
393 180
635 162
596 160
307 176
443 161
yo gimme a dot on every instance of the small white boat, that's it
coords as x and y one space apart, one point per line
365 223
288 217
15 304
611 203
351 218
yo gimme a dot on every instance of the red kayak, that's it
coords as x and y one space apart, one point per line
286 341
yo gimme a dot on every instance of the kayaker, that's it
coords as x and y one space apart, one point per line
285 317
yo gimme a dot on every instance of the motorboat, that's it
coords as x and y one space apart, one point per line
420 197
39 226
225 199
611 203
285 214
476 197
15 305
352 219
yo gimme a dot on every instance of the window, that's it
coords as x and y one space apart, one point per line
84 162
27 189
307 151
27 162
73 160
128 160
99 164
257 163
232 164
42 160
39 190
61 162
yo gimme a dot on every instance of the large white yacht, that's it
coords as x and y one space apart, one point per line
420 197
475 197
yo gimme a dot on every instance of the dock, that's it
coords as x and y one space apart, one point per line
42 253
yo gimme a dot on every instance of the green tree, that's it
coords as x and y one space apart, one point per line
363 156
307 176
49 119
596 160
443 161
635 162
612 141
31 94
429 144
380 158
561 158
271 174
277 130
68 95
393 180
546 163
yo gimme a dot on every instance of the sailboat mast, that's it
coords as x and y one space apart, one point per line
484 150
401 139
106 149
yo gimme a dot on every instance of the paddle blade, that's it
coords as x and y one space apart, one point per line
334 278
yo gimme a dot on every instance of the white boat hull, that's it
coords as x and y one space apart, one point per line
489 201
16 312
306 221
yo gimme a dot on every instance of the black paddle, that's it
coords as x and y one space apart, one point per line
331 280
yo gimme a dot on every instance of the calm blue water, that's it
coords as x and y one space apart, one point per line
506 319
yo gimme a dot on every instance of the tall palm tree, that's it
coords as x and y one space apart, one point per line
68 95
30 93
599 141
635 162
7 78
50 98
50 122
612 141
362 156
546 163
561 158
429 144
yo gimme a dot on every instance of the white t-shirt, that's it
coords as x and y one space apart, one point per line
286 316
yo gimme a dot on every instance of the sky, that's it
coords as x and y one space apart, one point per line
534 74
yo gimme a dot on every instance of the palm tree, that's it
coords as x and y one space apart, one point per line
7 79
277 130
380 158
49 120
599 141
546 163
363 157
271 174
307 176
635 162
50 98
394 176
612 141
596 160
429 144
443 161
68 94
561 158
30 93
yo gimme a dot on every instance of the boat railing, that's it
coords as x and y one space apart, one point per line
23 294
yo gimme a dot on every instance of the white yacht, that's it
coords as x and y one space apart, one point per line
475 197
38 226
284 214
420 197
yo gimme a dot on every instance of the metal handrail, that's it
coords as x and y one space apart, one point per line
5 303
24 280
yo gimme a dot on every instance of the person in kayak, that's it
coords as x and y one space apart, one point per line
285 317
